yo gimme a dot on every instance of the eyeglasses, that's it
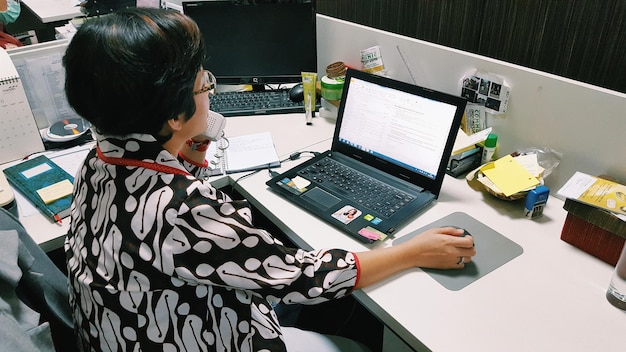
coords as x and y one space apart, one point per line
210 83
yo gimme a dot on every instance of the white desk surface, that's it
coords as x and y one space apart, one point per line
53 10
551 298
289 132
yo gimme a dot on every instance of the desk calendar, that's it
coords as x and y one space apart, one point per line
19 135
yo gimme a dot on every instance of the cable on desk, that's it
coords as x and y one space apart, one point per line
246 176
292 156
296 155
273 173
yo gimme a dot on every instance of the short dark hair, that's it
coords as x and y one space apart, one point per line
134 69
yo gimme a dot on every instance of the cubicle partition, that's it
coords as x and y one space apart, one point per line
581 121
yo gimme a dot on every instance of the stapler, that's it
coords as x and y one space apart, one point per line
462 163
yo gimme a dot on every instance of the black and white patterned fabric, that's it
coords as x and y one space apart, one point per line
165 262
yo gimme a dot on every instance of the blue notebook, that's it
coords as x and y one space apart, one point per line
30 176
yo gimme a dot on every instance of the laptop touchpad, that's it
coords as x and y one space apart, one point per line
321 198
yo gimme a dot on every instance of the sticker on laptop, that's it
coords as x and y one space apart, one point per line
374 219
296 185
346 214
372 234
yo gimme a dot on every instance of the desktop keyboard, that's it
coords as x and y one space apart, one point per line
254 103
357 186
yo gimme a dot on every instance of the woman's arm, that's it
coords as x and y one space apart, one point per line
440 248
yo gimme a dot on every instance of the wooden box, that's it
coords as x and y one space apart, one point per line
595 231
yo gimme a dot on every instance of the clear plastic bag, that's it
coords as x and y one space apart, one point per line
547 158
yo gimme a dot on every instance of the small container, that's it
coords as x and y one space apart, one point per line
490 148
616 293
332 88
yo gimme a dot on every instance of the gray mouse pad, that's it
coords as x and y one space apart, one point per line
492 251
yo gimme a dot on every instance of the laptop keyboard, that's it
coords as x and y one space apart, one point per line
357 186
236 103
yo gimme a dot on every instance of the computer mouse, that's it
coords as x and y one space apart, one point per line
465 232
296 93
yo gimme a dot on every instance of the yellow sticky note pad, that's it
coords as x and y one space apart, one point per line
509 175
55 191
300 182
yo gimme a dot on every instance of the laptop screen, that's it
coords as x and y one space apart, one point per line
405 129
402 129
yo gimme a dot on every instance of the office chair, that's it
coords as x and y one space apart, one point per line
42 286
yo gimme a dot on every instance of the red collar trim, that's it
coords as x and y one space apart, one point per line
203 165
144 164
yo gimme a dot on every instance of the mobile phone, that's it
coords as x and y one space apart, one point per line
215 126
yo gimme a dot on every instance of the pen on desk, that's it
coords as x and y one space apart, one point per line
308 111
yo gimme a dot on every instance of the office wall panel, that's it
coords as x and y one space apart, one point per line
577 39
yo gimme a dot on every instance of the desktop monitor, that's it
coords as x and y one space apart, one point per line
257 42
102 7
43 76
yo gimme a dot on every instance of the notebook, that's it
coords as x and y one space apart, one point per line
47 185
243 153
397 135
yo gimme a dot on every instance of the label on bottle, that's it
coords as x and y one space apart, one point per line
487 154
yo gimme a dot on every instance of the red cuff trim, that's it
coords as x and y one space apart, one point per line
358 269
205 164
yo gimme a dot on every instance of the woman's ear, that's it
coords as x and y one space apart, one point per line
171 127
174 124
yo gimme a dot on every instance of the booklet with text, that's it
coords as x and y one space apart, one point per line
596 191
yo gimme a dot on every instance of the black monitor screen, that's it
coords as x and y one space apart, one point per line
257 42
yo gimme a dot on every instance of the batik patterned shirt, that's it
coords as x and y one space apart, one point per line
163 261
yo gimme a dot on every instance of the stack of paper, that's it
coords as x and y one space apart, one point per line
596 191
511 175
464 141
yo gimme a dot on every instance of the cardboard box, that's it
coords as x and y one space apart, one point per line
594 230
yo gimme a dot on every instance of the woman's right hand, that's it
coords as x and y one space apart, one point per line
440 248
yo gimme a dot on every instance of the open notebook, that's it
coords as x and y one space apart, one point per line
242 153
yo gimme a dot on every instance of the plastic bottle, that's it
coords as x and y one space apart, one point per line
616 293
490 148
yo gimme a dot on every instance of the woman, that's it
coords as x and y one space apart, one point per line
159 259
9 12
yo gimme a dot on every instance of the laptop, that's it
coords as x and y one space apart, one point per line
388 158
